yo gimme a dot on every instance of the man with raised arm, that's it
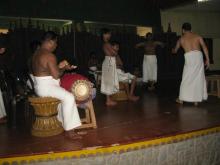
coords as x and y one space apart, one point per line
47 75
193 86
150 60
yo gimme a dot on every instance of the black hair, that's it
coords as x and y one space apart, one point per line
186 26
149 33
2 41
104 31
49 35
115 43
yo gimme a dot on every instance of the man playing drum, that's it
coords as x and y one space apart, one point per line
47 82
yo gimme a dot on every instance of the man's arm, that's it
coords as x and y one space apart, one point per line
205 50
119 62
108 49
158 43
141 44
55 72
174 51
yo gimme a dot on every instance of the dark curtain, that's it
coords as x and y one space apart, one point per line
77 46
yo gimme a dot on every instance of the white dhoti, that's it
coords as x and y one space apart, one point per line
2 106
150 68
124 77
110 83
193 86
67 112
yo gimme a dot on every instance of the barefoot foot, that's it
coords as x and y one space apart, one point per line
133 98
151 88
72 135
3 120
179 101
111 103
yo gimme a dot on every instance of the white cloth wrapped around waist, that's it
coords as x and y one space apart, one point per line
193 86
68 114
149 68
124 77
109 82
2 106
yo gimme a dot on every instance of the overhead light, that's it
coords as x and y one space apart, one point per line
203 0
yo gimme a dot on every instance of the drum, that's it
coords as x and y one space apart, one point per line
82 90
80 86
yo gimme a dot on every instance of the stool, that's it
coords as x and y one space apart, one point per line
121 95
212 80
46 123
90 120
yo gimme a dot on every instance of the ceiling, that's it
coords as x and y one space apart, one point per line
208 6
138 12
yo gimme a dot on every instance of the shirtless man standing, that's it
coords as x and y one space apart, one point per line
109 84
47 82
193 85
150 60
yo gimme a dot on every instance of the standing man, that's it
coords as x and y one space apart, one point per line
150 60
47 82
193 86
2 106
109 82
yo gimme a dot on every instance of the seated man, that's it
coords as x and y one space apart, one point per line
47 82
125 77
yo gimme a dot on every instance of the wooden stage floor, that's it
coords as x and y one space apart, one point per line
154 116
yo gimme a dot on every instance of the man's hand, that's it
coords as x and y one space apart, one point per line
70 67
66 66
207 64
63 64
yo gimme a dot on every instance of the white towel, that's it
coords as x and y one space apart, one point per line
124 77
149 68
2 106
110 83
193 86
67 112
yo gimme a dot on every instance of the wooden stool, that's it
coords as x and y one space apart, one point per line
212 80
46 123
90 120
121 95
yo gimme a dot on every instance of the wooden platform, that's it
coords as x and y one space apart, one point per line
154 116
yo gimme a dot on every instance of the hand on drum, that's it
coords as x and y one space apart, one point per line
65 65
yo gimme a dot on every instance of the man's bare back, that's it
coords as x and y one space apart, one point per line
40 61
191 42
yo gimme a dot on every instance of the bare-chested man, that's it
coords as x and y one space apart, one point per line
109 84
47 82
150 60
193 85
125 77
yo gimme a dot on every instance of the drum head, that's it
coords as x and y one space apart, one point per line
82 90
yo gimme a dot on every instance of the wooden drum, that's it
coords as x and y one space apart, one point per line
80 86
